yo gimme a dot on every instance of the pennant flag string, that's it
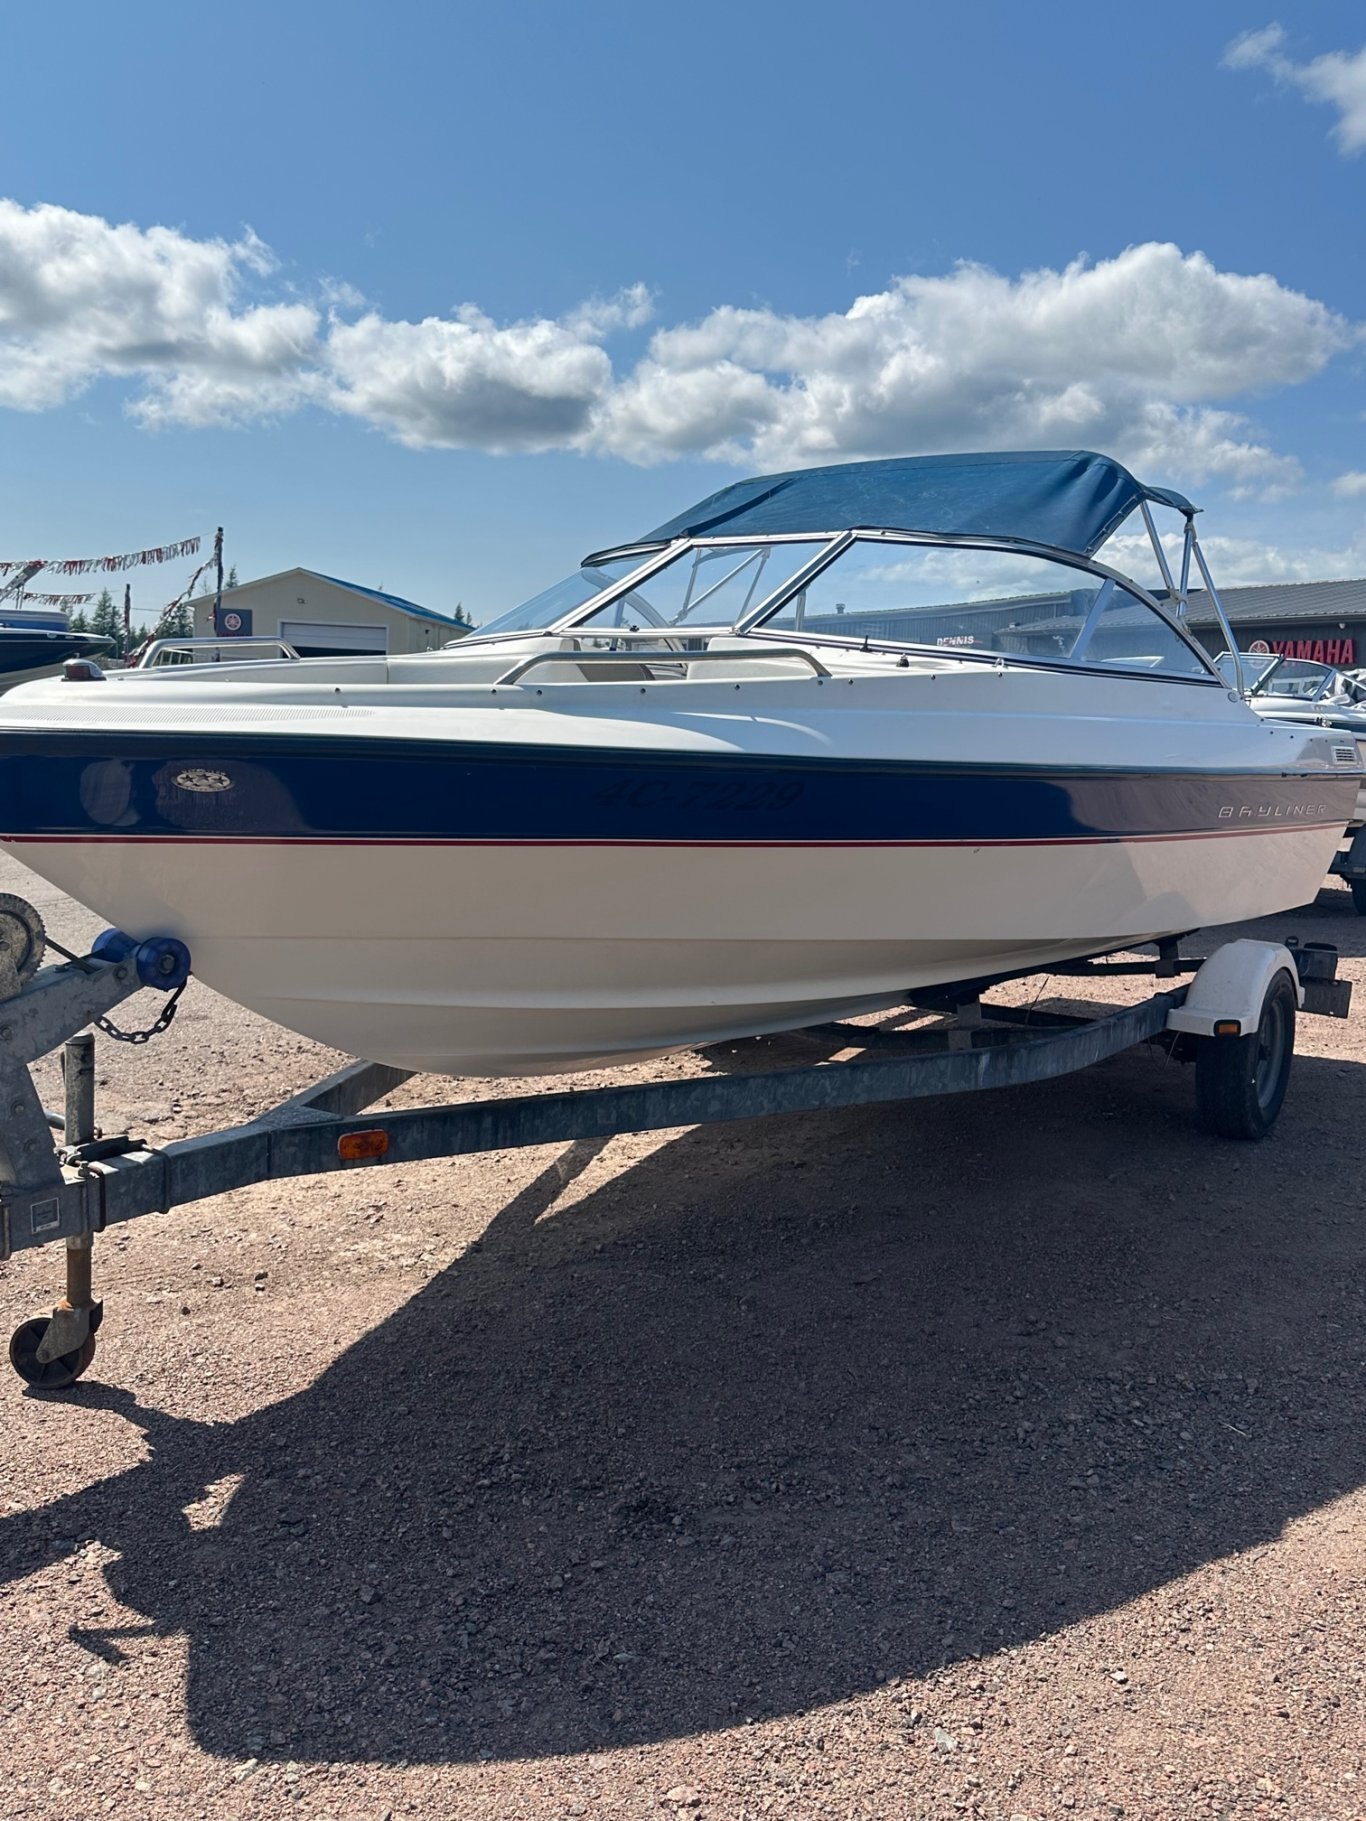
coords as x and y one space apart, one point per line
181 598
57 600
110 565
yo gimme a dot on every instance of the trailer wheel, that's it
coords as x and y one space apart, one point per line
55 1374
1240 1082
1359 894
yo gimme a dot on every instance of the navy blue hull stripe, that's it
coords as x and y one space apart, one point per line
344 791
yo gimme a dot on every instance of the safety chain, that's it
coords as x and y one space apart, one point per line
153 1030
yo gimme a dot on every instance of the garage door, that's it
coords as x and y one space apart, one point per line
328 639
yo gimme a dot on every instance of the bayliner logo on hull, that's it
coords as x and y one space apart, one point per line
203 783
1273 812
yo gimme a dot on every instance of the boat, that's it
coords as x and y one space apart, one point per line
1302 689
36 642
827 738
1277 686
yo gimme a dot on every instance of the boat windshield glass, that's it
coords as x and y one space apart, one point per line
1257 667
959 598
554 604
1300 680
706 586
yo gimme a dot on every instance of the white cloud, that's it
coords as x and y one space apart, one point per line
466 382
1338 78
1149 355
81 298
1235 561
1121 354
1350 486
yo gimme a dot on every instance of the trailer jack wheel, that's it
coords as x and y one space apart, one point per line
1240 1082
26 1347
51 1353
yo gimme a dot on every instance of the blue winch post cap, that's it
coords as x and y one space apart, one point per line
163 961
112 945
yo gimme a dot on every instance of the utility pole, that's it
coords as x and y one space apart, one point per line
127 619
218 586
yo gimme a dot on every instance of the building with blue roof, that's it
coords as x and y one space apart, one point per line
324 616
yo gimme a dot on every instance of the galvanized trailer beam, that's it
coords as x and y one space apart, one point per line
35 1191
304 1136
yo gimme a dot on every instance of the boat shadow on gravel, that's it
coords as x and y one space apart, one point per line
782 1410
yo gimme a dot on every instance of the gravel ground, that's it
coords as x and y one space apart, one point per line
996 1457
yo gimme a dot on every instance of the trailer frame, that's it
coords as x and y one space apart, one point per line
70 1188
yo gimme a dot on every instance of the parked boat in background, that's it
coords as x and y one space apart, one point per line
37 641
1307 691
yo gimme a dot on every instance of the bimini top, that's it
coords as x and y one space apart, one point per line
1067 498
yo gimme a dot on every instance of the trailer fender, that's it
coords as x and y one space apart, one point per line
1350 862
1231 987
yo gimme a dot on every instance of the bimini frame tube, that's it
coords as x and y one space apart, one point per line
1186 564
1219 609
1161 555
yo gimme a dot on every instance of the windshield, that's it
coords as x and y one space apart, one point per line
1299 679
706 585
1257 667
968 599
554 604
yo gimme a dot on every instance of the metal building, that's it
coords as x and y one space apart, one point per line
1325 621
322 616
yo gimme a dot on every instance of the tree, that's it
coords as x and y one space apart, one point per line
231 582
79 623
107 619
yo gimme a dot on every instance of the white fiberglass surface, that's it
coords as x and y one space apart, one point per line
548 958
982 600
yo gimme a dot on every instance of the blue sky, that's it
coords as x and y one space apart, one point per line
439 297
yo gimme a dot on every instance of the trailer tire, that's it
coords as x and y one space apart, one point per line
1240 1082
1359 895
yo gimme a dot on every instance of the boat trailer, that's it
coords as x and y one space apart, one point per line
1235 1019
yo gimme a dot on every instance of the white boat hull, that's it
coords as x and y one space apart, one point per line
521 960
420 868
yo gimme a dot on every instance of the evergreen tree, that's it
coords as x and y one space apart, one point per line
79 623
232 578
106 618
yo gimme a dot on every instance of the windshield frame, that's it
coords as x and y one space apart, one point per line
655 557
831 546
752 625
652 559
824 545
